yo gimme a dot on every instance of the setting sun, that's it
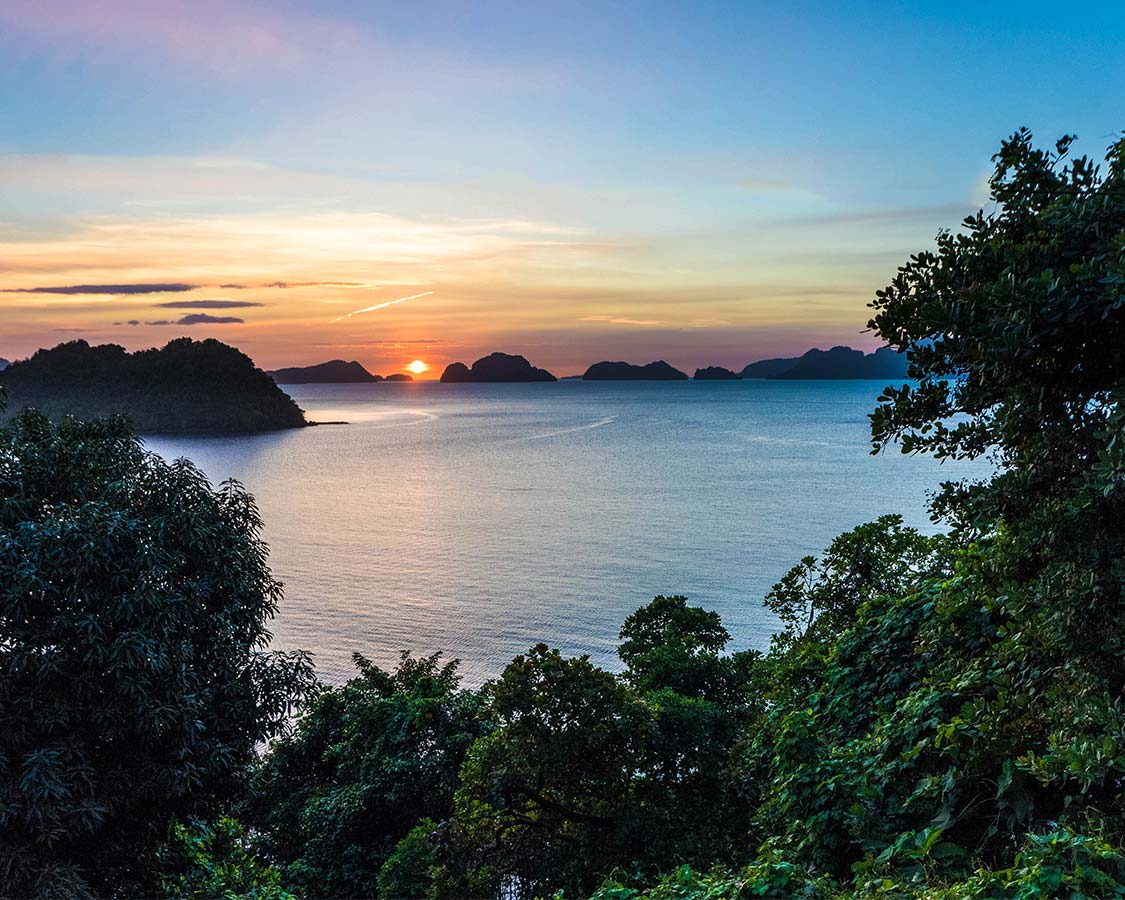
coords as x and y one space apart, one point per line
418 367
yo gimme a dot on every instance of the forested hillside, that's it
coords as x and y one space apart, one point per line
185 386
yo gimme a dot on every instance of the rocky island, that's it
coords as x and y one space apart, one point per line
836 363
769 368
397 376
716 373
335 371
185 387
496 367
623 371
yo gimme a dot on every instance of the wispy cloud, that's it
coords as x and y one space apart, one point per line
947 213
304 284
208 304
239 40
368 309
223 37
623 320
287 285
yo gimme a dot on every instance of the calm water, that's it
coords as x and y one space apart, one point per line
479 519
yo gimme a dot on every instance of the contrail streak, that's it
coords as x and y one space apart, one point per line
367 309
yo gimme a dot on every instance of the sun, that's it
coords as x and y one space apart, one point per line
418 367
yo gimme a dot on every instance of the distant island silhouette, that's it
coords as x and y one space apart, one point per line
769 368
836 363
185 387
623 371
495 367
335 371
397 376
716 373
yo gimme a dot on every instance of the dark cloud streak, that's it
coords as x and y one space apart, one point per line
154 288
207 304
190 319
204 319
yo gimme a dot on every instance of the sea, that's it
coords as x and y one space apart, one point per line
479 520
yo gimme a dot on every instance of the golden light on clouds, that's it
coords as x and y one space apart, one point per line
307 283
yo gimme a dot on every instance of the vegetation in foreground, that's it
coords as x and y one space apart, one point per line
938 717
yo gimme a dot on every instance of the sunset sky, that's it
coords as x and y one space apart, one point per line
709 183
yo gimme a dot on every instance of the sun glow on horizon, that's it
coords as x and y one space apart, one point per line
418 367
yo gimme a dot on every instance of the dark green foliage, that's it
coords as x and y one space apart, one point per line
1016 331
187 386
669 644
1048 866
666 623
133 681
945 716
1015 328
586 772
202 860
366 764
408 872
544 795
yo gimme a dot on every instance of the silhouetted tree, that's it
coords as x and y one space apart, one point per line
134 679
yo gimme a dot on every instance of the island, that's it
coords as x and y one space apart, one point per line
335 371
837 363
623 371
769 368
496 367
716 373
397 376
188 386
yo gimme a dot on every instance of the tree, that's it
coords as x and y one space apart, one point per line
670 645
1015 331
134 679
937 705
684 798
408 872
367 762
880 557
544 796
202 860
585 772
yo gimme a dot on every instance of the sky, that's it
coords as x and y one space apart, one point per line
708 183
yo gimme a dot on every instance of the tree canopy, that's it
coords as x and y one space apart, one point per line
367 762
134 678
